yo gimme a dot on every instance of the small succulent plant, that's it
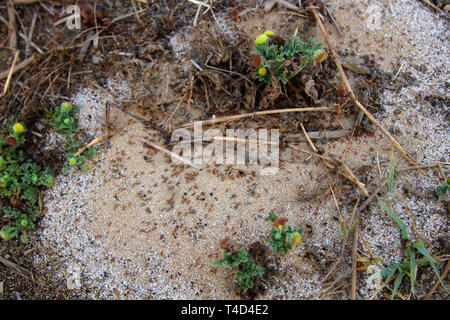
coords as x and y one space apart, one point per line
282 237
20 181
284 59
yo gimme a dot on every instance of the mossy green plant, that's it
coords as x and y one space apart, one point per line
63 120
247 267
443 189
282 236
21 181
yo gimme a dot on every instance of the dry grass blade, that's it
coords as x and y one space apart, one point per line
26 1
355 180
333 164
18 67
308 139
428 3
12 24
170 153
15 268
11 71
260 113
90 144
318 135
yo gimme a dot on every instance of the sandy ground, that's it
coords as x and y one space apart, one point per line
137 226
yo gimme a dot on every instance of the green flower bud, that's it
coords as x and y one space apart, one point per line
48 180
66 107
5 233
73 161
24 238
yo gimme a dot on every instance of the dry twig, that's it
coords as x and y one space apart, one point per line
261 113
11 71
170 153
18 67
12 24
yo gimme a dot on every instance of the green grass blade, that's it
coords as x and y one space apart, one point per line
421 248
397 283
413 269
391 173
388 271
403 227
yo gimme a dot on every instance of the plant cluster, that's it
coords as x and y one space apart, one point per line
442 189
20 181
63 120
283 59
247 267
282 237
414 254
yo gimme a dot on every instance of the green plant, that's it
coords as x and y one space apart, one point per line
63 119
20 181
442 189
411 259
415 254
285 59
247 268
282 236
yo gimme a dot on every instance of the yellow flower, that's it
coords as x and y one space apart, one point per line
269 33
262 71
72 161
261 39
18 128
320 55
296 239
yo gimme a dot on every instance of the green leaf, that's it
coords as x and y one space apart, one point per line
271 217
403 227
344 231
413 270
442 189
424 252
389 271
391 173
397 283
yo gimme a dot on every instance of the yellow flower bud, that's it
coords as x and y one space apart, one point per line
262 71
296 239
18 128
269 33
320 55
261 39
